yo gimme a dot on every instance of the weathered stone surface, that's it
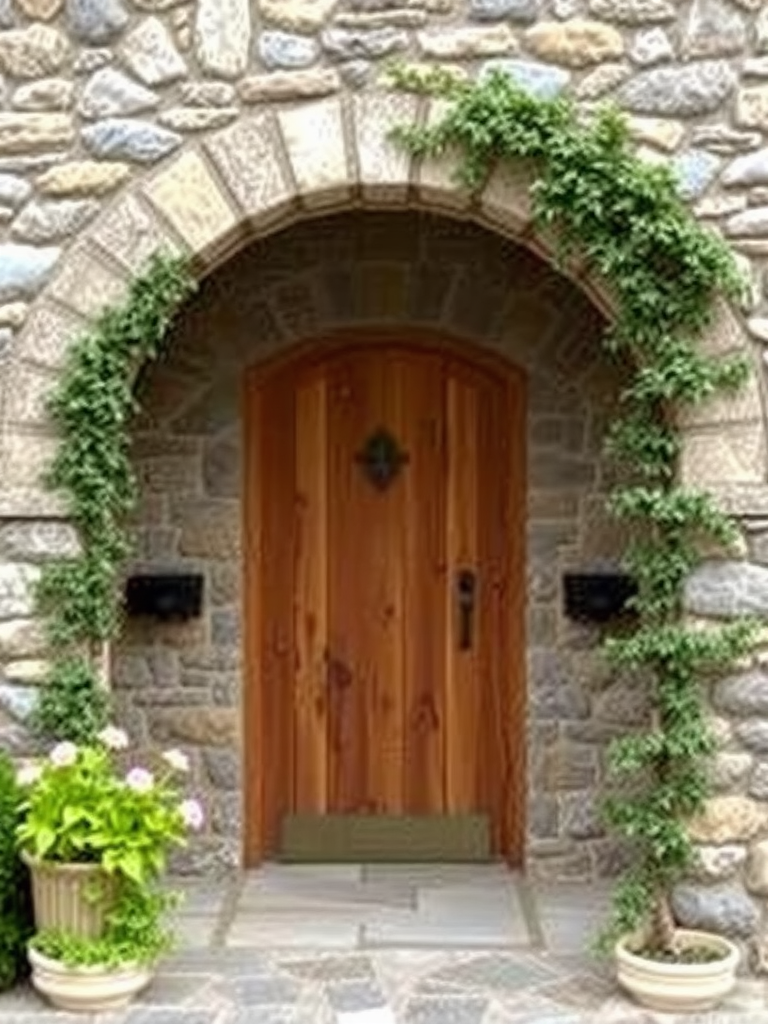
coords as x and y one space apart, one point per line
21 638
725 909
540 80
346 44
661 132
714 30
758 782
287 85
197 119
111 93
96 21
651 46
743 695
207 94
719 863
90 60
695 171
723 139
45 221
681 91
752 107
17 582
13 314
18 701
728 589
754 735
601 81
223 36
40 10
151 54
8 17
29 133
287 50
633 12
83 178
129 139
28 670
729 819
212 727
757 868
302 15
580 816
14 190
748 224
23 269
521 11
750 169
577 43
45 94
33 52
223 768
461 43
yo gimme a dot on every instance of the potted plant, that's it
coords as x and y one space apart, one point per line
95 831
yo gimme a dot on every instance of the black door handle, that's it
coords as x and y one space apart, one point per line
466 598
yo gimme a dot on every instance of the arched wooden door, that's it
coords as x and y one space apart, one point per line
384 588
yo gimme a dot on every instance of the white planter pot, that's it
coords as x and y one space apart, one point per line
87 989
679 988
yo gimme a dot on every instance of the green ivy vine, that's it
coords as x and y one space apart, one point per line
91 407
625 218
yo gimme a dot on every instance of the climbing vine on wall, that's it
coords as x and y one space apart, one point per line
91 408
626 220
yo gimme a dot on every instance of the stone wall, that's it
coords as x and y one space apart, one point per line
181 684
197 124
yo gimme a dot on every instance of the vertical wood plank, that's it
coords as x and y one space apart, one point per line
349 603
424 638
383 521
463 696
277 493
310 606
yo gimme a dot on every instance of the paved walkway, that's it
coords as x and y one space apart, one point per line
386 945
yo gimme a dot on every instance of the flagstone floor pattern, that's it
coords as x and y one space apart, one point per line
386 945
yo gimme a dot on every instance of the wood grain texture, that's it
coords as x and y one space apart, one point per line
359 698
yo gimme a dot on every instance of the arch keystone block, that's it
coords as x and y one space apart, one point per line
437 183
247 159
85 284
131 232
384 165
189 198
314 140
506 198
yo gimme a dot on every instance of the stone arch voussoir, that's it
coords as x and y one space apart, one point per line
265 172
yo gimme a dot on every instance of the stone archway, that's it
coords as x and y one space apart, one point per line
263 173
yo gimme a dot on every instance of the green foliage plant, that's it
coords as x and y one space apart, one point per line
16 922
625 220
91 407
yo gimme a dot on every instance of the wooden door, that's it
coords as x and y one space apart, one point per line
384 587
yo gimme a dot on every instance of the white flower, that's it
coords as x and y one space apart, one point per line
192 813
63 754
115 739
28 774
140 780
177 760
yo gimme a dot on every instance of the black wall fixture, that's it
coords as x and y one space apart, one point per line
597 596
166 596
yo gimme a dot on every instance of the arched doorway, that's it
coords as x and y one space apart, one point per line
384 601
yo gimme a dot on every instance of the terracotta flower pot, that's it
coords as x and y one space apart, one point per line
679 988
87 989
60 896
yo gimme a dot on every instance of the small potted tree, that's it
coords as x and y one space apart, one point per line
95 832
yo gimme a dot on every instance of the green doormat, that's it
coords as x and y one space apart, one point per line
352 838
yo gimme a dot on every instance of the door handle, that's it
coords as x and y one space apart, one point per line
466 599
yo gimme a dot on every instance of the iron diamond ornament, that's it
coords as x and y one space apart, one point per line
382 458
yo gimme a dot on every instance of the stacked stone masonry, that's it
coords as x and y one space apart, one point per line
211 127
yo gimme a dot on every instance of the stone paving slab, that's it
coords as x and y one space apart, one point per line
219 976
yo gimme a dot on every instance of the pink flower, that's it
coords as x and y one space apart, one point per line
28 774
177 760
192 813
114 739
63 754
140 780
